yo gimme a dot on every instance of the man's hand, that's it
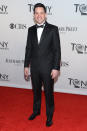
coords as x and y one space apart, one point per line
26 73
55 73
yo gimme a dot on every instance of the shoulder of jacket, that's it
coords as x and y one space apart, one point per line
52 26
31 27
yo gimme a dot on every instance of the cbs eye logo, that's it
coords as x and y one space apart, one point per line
12 26
18 26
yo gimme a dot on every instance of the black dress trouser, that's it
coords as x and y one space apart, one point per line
39 77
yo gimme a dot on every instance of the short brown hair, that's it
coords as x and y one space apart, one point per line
39 5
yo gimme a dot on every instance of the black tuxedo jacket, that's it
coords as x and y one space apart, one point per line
47 54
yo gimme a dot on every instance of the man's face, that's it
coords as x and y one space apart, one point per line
39 15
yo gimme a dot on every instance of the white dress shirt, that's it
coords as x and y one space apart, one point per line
39 32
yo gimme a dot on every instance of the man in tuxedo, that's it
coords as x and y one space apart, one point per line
43 56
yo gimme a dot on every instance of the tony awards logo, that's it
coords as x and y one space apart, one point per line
79 48
4 77
3 9
82 8
77 83
48 8
4 45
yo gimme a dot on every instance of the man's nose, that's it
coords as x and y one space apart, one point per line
39 15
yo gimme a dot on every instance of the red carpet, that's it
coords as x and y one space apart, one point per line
16 106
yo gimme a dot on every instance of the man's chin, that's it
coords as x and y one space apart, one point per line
40 22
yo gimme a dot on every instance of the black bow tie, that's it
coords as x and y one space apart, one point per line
40 26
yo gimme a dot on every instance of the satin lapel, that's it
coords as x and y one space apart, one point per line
35 35
44 33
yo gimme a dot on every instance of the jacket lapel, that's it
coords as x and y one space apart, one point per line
44 33
35 34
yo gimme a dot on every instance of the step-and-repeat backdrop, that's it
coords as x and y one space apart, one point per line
71 18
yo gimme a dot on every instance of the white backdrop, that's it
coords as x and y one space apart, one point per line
70 17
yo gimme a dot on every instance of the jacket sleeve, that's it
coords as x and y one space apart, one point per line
56 49
27 51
